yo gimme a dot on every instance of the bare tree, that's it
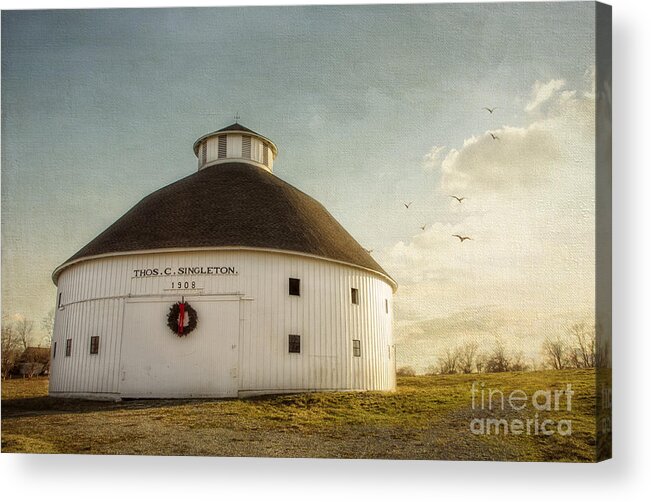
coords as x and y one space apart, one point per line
583 350
23 328
432 370
449 362
406 371
533 364
498 359
480 363
467 357
10 348
555 353
47 323
517 362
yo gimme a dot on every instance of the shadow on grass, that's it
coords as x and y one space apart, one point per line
42 406
45 405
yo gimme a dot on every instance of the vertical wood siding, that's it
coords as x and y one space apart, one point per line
94 294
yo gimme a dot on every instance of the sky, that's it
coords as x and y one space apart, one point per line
370 107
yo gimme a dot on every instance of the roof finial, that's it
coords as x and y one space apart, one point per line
237 117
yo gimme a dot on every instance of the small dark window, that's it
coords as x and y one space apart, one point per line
295 287
54 350
94 344
354 295
221 147
204 152
59 301
294 344
357 348
386 306
68 347
265 155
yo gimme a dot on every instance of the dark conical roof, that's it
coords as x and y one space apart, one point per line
231 204
237 127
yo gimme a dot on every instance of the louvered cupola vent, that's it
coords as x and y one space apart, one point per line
235 143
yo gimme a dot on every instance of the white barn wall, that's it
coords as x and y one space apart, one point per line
94 294
204 365
83 373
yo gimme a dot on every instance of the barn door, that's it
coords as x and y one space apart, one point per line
155 362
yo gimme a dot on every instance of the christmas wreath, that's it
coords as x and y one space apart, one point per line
182 318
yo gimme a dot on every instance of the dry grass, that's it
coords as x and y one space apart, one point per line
427 418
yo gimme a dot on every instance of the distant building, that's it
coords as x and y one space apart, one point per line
276 296
34 361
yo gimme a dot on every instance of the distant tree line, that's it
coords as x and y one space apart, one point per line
468 358
21 353
577 349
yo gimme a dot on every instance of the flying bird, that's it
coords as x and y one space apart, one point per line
407 205
461 239
369 251
493 136
490 110
423 227
458 198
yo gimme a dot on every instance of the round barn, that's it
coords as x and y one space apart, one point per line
229 282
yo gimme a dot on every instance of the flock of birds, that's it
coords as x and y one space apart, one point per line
461 238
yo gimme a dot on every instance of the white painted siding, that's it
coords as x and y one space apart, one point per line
213 149
94 294
203 363
270 157
256 149
234 146
83 372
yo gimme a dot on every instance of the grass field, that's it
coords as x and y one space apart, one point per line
429 417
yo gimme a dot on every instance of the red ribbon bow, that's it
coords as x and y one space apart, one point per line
181 317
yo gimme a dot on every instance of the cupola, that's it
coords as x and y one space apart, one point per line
235 143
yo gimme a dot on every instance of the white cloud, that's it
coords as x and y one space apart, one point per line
520 157
547 149
542 92
530 212
432 159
